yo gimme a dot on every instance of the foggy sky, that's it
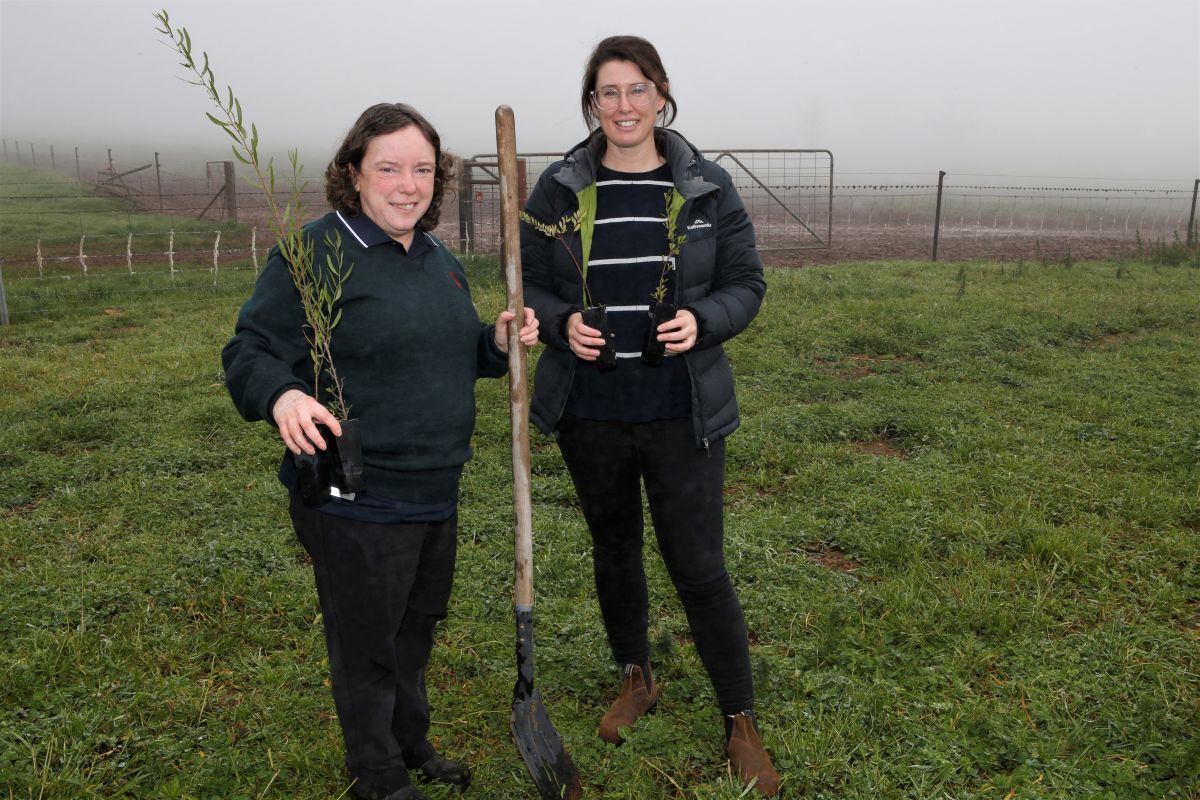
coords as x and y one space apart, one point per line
1047 88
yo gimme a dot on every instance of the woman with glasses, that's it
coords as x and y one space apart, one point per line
635 220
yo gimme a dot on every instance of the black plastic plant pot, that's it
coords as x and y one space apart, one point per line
314 475
597 317
654 350
339 466
348 465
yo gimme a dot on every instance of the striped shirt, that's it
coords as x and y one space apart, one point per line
629 242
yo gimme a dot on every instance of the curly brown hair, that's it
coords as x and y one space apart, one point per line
641 54
380 120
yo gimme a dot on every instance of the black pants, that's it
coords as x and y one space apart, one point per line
608 462
383 589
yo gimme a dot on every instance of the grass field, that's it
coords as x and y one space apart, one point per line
963 516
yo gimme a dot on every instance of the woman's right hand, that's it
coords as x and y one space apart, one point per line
585 342
296 414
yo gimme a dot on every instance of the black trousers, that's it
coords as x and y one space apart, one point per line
609 462
382 589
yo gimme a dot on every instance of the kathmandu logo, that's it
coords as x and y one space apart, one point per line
699 223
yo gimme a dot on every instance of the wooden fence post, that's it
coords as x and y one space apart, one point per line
158 180
522 181
466 211
216 253
78 176
1192 215
3 301
937 216
231 209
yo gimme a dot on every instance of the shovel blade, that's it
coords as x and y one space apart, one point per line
553 772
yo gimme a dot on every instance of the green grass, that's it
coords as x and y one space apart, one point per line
963 517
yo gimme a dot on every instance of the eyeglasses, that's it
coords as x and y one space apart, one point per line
639 95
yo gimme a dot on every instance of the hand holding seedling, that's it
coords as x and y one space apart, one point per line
296 414
585 341
679 333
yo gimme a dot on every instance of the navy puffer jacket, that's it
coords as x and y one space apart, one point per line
718 277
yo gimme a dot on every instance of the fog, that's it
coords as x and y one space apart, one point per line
1048 88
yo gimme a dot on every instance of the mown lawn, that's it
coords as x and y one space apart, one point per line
963 519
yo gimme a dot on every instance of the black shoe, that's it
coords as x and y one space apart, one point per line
375 792
407 793
444 770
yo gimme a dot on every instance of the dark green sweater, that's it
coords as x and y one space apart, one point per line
408 348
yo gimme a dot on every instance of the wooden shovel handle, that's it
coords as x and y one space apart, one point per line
510 252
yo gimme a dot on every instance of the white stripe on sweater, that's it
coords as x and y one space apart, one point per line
601 262
656 220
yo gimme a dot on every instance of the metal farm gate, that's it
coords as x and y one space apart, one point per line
788 193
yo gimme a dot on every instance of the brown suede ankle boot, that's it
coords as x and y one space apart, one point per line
634 702
749 758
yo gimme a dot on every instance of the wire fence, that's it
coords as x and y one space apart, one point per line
148 222
786 192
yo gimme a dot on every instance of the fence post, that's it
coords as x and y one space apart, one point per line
158 180
3 300
216 253
466 211
171 255
1192 216
78 176
32 154
129 252
522 181
254 247
18 145
6 149
937 216
231 209
52 164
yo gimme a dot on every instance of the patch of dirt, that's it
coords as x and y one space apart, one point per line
831 557
860 365
882 446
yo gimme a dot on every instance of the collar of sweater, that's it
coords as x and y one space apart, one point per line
364 231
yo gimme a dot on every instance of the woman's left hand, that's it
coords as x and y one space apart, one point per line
528 334
679 333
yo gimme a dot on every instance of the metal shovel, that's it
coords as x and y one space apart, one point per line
539 743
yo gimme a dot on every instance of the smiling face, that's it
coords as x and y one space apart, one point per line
395 181
628 127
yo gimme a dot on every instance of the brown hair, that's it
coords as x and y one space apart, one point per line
380 120
641 54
